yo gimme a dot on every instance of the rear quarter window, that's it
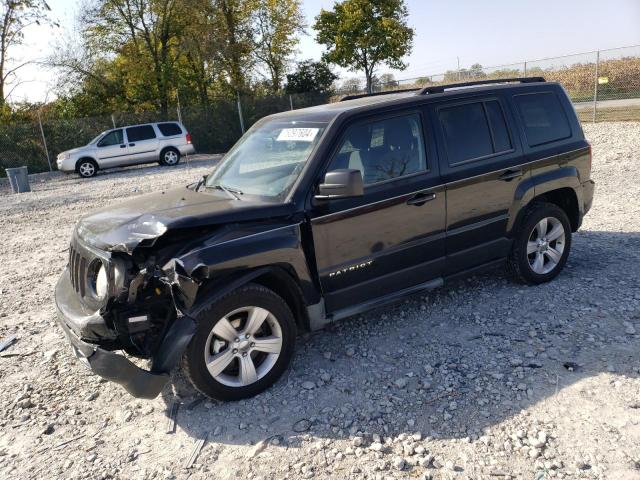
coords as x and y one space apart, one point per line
169 129
543 118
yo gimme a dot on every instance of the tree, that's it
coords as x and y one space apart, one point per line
476 72
364 34
15 17
233 40
351 85
388 80
278 23
311 76
144 33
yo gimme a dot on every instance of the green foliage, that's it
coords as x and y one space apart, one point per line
311 76
277 23
365 34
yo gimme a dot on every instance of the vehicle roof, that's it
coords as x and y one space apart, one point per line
327 112
143 124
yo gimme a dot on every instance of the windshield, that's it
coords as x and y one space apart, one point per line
268 158
96 139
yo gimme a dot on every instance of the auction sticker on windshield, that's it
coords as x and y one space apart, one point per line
297 134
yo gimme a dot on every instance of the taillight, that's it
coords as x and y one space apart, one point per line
188 138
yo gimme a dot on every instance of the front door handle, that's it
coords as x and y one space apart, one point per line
421 198
132 144
510 175
123 146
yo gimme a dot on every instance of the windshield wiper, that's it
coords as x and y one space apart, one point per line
232 192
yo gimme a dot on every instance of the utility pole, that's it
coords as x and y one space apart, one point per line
240 114
595 86
44 141
458 68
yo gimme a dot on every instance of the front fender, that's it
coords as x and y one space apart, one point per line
237 256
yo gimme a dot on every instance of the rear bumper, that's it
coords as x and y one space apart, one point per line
187 149
588 188
112 366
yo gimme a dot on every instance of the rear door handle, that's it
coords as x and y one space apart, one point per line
510 175
123 146
421 198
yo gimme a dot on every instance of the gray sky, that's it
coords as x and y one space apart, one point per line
492 32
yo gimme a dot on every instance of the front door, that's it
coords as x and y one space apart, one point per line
391 238
481 162
111 149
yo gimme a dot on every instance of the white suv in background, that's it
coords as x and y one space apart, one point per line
163 142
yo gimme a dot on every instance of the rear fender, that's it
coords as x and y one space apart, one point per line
539 184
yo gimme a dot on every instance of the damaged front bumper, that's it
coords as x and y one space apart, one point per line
73 319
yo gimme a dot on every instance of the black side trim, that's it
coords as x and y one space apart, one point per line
476 270
378 302
127 154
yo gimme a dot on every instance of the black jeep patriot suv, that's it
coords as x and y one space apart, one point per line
319 214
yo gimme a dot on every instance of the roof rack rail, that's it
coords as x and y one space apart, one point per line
442 88
386 92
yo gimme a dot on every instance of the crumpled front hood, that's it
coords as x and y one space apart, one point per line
121 228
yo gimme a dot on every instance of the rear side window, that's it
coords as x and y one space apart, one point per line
543 118
473 131
143 132
169 129
111 138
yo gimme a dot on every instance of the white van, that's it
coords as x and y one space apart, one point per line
163 142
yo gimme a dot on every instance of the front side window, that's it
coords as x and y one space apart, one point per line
543 118
268 159
143 132
111 138
384 149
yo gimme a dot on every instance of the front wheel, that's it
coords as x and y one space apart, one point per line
542 244
243 344
87 168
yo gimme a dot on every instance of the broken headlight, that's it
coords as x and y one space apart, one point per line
97 280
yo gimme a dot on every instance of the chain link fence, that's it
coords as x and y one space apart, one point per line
603 85
214 129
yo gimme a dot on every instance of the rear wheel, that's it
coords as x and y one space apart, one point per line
169 157
243 344
542 244
87 167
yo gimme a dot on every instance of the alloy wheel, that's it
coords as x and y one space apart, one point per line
171 157
87 169
546 245
243 346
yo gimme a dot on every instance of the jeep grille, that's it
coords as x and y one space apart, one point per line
78 270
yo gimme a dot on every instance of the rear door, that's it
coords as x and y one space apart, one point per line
481 162
391 238
111 149
143 143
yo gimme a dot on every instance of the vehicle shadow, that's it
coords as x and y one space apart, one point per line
447 363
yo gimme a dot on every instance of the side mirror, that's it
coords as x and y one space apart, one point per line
341 183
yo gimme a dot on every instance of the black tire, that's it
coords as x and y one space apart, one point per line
87 167
169 157
193 361
522 263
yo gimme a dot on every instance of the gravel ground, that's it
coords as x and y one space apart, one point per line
482 379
